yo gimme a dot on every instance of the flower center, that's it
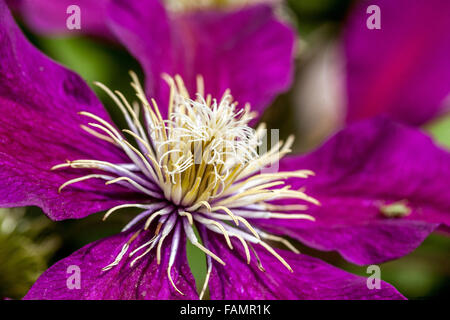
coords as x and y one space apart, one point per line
203 146
201 167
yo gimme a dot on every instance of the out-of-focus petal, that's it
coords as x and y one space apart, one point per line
40 127
248 51
402 69
311 278
383 188
146 280
50 17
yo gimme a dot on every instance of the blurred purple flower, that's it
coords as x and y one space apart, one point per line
49 17
403 69
360 173
245 49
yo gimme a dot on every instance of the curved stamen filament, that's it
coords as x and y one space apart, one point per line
87 177
210 224
208 275
193 239
273 252
133 205
136 186
162 212
227 211
106 166
187 215
173 253
122 252
151 242
278 239
244 244
98 135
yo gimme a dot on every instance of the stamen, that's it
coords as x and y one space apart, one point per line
124 169
98 135
208 275
118 258
168 226
134 205
208 263
244 244
285 207
209 222
152 241
87 177
173 253
122 252
187 215
161 212
103 122
291 216
199 204
193 239
278 239
136 185
227 211
258 260
273 252
136 219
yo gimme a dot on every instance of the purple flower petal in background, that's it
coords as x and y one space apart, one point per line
50 17
403 69
40 127
383 189
248 51
245 49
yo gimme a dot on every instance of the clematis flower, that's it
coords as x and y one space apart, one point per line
401 70
60 151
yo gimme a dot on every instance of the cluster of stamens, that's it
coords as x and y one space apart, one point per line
200 168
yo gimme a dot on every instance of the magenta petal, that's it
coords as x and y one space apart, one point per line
311 278
145 280
145 29
50 17
402 69
359 172
248 51
40 127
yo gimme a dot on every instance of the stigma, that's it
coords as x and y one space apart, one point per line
201 168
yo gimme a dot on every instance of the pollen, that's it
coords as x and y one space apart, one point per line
202 168
398 209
